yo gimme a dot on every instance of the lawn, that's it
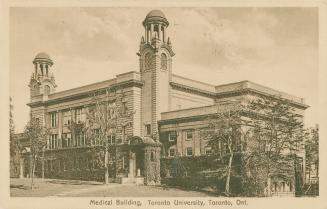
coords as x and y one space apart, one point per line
75 188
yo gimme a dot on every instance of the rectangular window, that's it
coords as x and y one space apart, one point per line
53 141
67 118
53 119
80 139
96 136
111 139
189 151
66 140
189 134
80 115
172 136
208 150
124 107
123 133
171 152
148 129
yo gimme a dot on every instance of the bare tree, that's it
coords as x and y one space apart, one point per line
107 116
37 136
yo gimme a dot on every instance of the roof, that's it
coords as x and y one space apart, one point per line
156 13
155 16
42 55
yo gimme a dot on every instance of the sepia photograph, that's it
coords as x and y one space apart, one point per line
164 102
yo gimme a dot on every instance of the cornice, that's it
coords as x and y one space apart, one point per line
192 90
86 94
232 93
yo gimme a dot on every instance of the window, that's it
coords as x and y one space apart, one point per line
147 61
171 152
80 139
124 107
46 90
111 139
163 61
189 151
172 136
148 129
67 118
123 133
67 140
54 141
208 150
53 119
96 136
80 115
189 134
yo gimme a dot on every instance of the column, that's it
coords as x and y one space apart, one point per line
148 33
159 31
145 33
21 167
131 165
164 34
151 32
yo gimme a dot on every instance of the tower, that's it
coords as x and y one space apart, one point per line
155 57
42 80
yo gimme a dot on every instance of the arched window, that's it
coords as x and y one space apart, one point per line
46 90
147 61
163 61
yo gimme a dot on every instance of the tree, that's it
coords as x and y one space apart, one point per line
224 133
312 152
277 137
14 143
107 117
37 136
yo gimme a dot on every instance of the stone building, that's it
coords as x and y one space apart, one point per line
166 107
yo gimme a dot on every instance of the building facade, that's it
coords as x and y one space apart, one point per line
168 112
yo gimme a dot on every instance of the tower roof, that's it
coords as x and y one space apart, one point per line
156 15
42 56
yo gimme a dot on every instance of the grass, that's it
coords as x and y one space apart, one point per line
75 188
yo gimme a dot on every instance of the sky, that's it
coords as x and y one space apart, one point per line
276 47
